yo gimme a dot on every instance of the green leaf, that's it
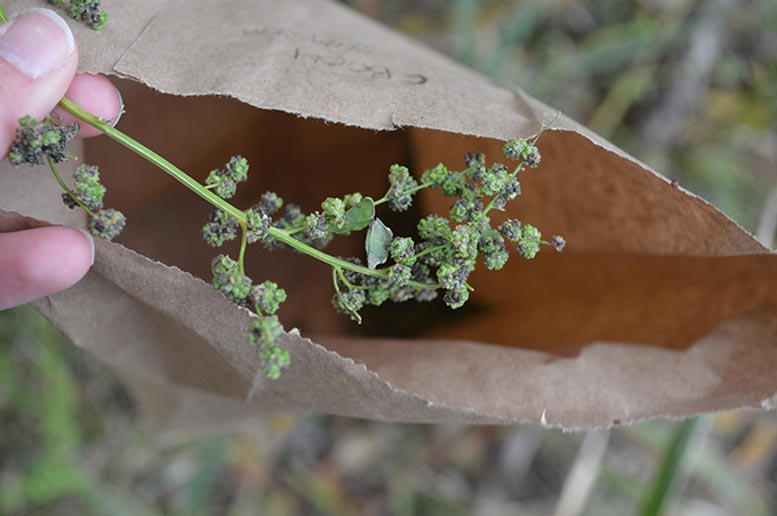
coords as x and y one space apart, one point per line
377 243
669 471
358 217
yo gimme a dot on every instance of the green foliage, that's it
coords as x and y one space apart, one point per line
359 215
664 479
48 471
377 243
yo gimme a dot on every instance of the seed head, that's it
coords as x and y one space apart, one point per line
400 274
316 226
456 298
494 180
434 227
228 279
268 296
402 250
107 223
270 203
220 229
474 159
436 176
35 141
257 223
292 216
511 229
353 199
558 243
237 169
529 242
223 185
349 302
264 335
401 188
334 210
520 149
88 11
69 201
88 189
454 185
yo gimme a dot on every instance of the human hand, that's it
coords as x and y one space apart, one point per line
38 60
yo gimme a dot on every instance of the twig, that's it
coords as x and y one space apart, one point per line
582 478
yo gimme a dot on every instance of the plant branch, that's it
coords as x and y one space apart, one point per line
67 188
190 183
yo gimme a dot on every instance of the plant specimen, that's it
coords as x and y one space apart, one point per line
88 11
438 260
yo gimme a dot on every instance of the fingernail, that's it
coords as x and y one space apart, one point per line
115 120
91 243
36 42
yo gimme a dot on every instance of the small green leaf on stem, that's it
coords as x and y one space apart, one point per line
359 216
377 243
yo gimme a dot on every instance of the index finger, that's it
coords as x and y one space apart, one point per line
96 94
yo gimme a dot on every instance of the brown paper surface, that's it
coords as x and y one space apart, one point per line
662 306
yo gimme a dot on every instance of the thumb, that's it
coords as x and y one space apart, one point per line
38 59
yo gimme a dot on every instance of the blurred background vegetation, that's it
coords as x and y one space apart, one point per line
689 87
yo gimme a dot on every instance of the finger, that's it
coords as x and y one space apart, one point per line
38 262
38 59
96 94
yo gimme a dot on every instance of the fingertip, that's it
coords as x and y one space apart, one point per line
42 261
59 257
96 94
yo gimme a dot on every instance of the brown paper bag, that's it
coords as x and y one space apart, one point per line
661 306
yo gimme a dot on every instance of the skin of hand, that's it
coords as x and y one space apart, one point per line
38 61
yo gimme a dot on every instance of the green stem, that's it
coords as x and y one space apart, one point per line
149 155
665 477
190 183
513 174
426 251
413 190
294 231
67 189
334 279
3 16
243 243
490 206
287 239
343 278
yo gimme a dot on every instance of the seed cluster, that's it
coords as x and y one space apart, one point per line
229 277
446 250
224 181
36 141
107 223
88 11
88 189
